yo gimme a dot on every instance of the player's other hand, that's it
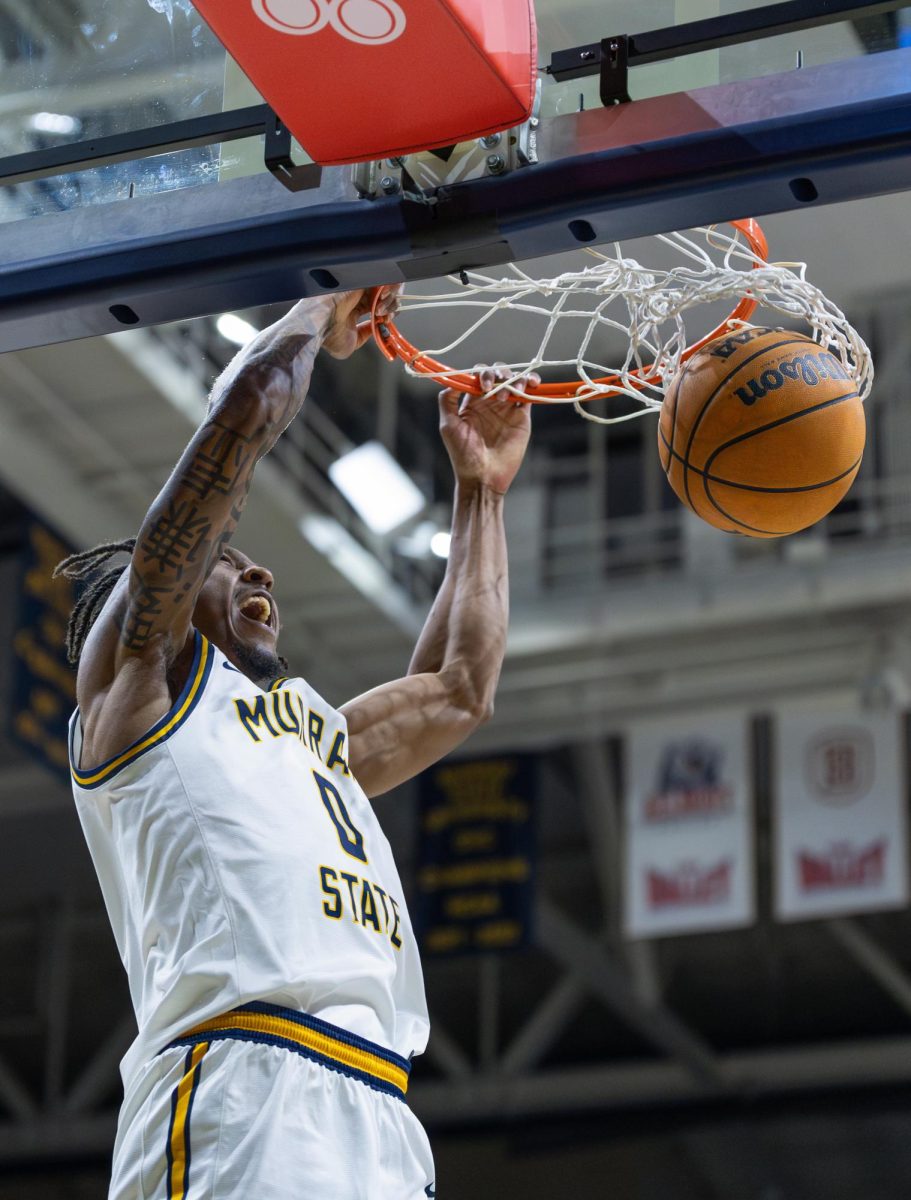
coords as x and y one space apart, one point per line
349 323
486 436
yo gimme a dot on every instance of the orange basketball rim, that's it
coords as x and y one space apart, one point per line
393 344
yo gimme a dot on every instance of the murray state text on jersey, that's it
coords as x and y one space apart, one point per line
241 861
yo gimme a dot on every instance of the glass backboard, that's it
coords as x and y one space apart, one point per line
566 23
76 70
81 70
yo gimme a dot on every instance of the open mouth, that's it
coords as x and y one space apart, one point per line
257 608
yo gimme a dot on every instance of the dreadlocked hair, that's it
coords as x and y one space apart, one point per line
87 565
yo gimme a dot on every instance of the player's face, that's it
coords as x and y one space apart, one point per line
237 611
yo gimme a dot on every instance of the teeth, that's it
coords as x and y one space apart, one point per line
257 608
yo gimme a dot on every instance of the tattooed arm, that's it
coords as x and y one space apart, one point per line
139 651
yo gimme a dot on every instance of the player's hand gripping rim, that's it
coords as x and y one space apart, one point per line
486 436
496 381
350 320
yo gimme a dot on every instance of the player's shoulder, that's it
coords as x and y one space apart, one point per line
144 704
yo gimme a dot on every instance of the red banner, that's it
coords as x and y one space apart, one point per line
840 838
689 827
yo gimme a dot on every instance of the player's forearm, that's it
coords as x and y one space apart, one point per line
465 634
269 378
430 649
196 514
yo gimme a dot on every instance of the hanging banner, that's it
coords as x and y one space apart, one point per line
840 831
689 826
475 875
43 683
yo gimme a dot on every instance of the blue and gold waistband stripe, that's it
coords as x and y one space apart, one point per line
309 1036
203 658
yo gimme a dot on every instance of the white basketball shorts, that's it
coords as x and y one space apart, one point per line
269 1104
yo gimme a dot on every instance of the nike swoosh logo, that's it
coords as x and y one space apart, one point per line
230 667
428 1190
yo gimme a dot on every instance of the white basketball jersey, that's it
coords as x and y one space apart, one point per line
240 860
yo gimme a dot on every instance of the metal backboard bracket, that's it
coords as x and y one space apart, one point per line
296 177
615 71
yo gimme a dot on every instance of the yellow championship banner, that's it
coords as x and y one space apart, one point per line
475 876
43 688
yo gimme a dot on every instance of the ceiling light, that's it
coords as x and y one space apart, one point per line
376 487
57 123
362 569
235 329
439 544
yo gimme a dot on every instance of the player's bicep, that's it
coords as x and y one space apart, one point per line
186 529
398 730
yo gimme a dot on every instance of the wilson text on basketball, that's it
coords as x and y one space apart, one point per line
810 369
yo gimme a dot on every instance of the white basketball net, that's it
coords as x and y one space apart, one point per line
648 306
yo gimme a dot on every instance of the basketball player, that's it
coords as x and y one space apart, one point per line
253 896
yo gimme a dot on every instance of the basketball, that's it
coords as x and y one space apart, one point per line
761 432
